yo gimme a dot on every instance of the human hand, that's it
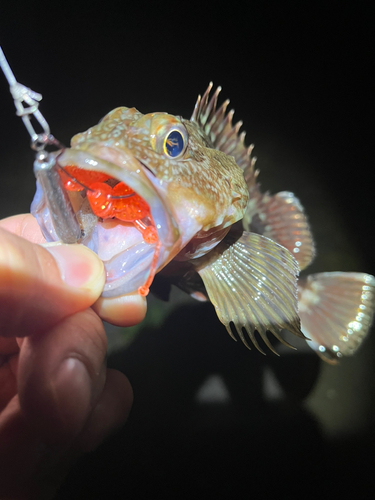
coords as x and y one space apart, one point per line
57 399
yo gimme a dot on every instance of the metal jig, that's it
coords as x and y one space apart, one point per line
45 166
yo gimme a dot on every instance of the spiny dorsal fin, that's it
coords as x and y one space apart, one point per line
217 125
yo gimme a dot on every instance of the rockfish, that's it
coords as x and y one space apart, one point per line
157 193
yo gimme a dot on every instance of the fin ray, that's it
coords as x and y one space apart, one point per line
252 283
216 124
336 311
246 324
281 217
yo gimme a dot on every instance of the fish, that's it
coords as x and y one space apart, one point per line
159 194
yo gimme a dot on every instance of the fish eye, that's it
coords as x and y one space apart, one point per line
174 144
168 135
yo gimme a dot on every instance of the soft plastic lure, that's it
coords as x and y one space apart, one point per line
118 202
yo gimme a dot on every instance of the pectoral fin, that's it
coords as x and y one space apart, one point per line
336 311
253 283
281 217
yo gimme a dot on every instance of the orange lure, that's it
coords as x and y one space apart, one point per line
119 202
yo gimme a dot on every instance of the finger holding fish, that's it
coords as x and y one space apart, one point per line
124 311
40 286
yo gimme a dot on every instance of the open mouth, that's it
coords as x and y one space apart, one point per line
121 216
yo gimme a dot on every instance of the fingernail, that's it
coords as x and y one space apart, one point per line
72 385
79 267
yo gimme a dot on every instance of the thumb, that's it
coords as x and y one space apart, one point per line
39 286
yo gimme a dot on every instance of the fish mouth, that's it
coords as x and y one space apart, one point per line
127 257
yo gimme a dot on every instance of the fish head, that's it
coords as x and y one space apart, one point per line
190 188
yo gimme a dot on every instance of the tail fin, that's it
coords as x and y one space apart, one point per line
336 311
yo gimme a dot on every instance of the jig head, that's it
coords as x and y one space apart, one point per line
45 168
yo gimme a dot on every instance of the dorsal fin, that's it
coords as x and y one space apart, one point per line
217 126
281 217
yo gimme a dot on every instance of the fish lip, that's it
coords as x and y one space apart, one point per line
147 168
123 166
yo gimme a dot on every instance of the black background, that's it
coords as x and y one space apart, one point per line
298 75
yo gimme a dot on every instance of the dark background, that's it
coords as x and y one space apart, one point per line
298 75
